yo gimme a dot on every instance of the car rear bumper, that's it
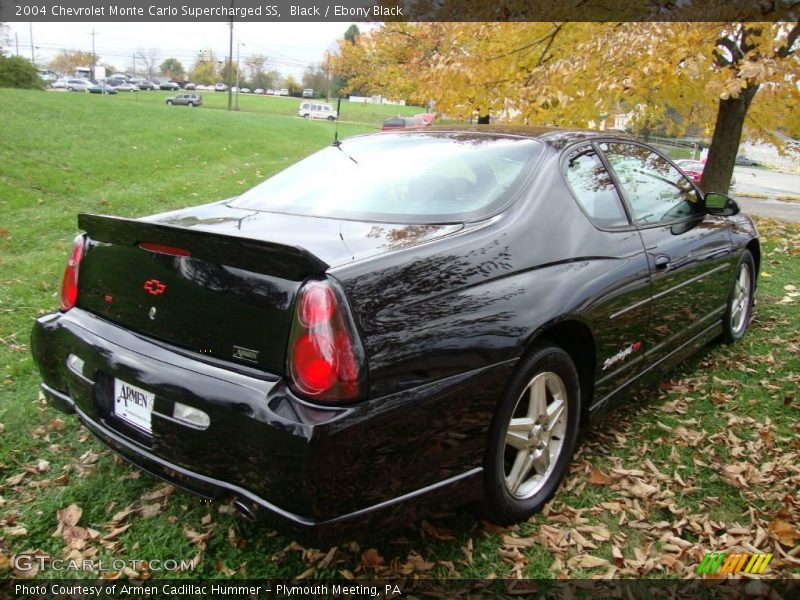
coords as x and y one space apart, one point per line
314 469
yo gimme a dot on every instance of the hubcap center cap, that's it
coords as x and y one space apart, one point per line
536 435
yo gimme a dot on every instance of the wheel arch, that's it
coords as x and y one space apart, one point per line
576 338
755 249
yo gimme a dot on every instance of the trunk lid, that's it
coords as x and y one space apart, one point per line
221 281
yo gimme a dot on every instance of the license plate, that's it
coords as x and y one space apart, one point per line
133 405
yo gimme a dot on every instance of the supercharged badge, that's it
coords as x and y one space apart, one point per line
622 355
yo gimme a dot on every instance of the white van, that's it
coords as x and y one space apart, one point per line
317 110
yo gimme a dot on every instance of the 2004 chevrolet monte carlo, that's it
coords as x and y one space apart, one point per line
401 320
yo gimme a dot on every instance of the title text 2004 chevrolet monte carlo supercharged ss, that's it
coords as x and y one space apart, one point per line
400 320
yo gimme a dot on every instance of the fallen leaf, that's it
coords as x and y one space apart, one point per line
598 477
786 534
587 561
149 511
161 492
371 558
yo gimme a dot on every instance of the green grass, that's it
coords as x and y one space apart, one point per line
130 155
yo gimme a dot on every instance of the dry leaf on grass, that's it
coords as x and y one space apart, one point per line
371 559
586 561
784 532
599 478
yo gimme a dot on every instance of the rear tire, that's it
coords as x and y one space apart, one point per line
740 300
191 104
331 118
532 436
169 102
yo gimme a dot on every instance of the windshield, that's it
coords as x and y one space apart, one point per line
419 178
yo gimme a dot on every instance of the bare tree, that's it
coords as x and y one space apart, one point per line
149 61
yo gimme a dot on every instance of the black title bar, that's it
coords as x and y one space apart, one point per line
399 10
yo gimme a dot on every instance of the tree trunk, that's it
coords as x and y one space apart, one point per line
725 143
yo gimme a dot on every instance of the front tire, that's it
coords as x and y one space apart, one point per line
532 436
169 102
740 300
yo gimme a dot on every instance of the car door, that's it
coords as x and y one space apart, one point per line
689 252
620 311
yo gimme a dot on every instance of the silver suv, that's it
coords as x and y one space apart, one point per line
187 99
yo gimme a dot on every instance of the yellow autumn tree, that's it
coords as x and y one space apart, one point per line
724 77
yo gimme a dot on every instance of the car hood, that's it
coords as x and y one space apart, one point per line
334 241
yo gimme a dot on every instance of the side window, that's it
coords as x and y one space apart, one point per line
655 190
594 189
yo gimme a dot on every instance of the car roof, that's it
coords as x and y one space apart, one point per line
552 136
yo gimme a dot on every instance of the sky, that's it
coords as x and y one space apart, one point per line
291 47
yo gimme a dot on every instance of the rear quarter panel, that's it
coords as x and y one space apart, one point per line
481 296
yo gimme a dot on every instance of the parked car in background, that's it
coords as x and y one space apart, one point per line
60 83
245 90
402 123
192 99
694 170
270 92
496 289
308 93
746 161
143 84
190 86
170 86
220 87
259 91
427 118
102 88
127 87
78 85
48 76
317 110
282 92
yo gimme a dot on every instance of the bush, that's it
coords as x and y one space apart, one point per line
18 72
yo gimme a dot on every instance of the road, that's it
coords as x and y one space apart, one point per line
771 184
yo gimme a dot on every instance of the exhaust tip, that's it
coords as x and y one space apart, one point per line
244 509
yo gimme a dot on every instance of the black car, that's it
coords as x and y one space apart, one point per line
170 86
436 338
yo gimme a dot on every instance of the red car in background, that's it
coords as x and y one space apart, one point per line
694 170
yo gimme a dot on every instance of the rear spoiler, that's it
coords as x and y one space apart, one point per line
282 260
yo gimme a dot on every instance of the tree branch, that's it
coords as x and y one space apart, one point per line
791 38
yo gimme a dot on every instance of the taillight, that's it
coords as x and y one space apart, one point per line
325 358
69 284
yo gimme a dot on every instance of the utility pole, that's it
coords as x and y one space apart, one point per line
230 62
16 42
134 64
94 56
238 50
30 25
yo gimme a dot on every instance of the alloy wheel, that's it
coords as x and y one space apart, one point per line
740 303
535 435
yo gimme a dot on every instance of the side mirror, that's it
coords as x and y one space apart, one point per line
720 204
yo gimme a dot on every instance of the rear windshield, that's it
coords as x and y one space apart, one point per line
417 178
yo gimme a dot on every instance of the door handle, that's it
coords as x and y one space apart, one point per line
662 262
